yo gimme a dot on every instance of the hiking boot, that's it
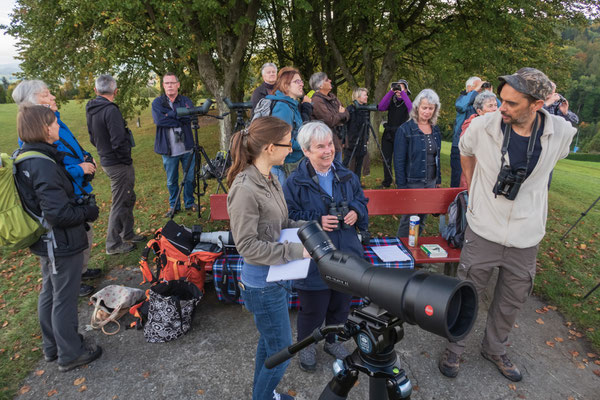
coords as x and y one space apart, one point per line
192 208
91 273
336 349
137 239
122 248
506 367
90 354
168 213
449 364
281 396
308 358
85 290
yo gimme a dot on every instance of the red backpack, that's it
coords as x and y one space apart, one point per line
177 256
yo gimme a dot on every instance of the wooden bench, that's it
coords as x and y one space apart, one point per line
392 202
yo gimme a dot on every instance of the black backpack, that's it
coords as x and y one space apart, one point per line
454 229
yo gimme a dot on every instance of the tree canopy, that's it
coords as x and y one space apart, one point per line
215 46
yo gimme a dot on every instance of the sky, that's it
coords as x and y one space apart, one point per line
8 52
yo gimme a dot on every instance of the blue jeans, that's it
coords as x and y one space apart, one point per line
171 165
456 167
269 307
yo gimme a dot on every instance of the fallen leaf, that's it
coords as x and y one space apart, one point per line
39 372
597 362
580 365
539 321
146 374
516 325
512 386
549 343
82 388
553 308
541 311
200 391
79 381
583 246
5 324
597 372
592 355
574 353
559 339
52 392
521 396
24 389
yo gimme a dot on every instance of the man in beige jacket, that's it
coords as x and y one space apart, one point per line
507 210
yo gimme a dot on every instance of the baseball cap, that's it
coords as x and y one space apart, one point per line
528 81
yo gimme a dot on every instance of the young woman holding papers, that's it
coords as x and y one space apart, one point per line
258 212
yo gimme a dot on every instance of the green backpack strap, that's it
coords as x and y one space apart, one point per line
31 154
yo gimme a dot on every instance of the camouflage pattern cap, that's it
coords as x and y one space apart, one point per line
528 81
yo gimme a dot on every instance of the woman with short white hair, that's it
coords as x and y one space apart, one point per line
417 147
322 189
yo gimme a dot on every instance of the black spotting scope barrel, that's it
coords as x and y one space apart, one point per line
439 304
202 110
232 106
365 107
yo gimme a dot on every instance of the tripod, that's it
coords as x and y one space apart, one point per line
583 214
240 123
375 332
363 137
198 152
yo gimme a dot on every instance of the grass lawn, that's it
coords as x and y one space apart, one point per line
566 270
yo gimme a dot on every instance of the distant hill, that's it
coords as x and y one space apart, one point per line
7 70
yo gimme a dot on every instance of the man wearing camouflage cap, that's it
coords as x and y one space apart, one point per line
507 221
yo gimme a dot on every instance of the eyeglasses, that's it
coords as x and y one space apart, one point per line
289 145
170 83
298 82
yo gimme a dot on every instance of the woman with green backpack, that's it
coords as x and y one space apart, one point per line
47 191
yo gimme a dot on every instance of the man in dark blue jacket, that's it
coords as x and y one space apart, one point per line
174 141
312 191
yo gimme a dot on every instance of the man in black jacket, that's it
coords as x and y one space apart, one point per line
109 133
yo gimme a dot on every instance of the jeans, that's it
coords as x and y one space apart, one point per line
456 167
387 148
318 306
269 307
171 164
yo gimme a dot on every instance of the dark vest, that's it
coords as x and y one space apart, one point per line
397 113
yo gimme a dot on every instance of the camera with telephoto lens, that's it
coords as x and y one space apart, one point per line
221 238
508 182
88 177
486 85
87 200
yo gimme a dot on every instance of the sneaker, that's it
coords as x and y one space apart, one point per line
506 367
121 249
91 273
337 349
281 396
308 358
91 353
51 358
137 239
168 213
449 364
192 208
85 290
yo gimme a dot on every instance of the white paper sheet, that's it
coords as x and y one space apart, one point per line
390 253
297 269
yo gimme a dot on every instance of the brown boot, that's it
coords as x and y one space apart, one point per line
506 367
449 363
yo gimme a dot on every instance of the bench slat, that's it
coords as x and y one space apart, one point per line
410 201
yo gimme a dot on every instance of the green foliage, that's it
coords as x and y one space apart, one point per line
584 157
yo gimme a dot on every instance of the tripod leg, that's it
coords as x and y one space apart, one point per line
583 214
212 169
591 291
385 163
342 382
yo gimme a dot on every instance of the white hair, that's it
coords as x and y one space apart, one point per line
267 65
471 81
27 91
314 130
106 84
432 98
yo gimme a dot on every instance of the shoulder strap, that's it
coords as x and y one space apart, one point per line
71 149
31 154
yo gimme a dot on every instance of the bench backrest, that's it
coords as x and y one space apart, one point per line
381 202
